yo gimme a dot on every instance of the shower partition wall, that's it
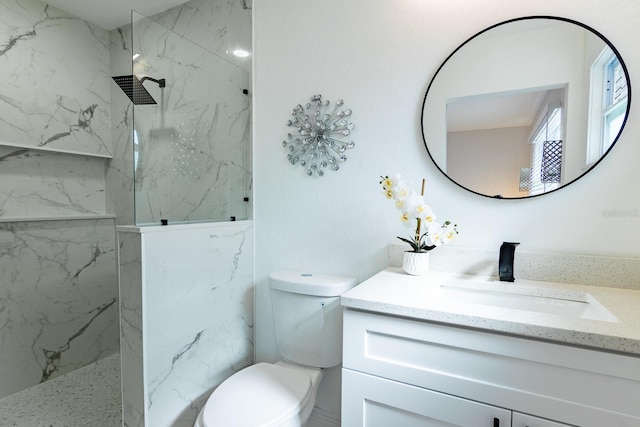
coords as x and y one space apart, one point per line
186 291
191 148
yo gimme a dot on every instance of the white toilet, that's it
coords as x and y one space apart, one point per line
308 324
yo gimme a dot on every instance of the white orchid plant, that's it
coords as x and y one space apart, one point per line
417 215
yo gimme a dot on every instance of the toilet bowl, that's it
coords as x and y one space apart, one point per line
308 325
263 395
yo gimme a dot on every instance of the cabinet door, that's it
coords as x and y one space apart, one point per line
370 401
524 420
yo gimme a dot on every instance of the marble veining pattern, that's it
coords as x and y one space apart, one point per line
40 184
120 173
218 26
197 283
189 158
54 79
58 294
58 284
191 151
131 337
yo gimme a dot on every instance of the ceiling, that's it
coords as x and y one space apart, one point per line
111 14
493 111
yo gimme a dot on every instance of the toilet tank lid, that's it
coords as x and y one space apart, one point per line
299 282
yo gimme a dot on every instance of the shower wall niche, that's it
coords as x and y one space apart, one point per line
191 148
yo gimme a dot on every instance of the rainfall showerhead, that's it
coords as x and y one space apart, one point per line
133 88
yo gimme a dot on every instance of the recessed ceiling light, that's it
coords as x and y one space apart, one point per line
241 53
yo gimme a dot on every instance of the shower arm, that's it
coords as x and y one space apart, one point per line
161 82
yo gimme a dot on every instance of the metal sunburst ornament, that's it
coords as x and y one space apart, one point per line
316 143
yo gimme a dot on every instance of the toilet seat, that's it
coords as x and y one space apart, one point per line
261 395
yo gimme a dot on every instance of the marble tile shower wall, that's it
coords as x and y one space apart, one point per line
119 177
58 308
186 296
187 317
192 149
41 184
58 292
131 333
66 179
54 79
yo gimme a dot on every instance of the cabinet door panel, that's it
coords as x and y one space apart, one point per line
371 401
561 382
524 420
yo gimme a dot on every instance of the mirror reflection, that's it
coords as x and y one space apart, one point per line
525 107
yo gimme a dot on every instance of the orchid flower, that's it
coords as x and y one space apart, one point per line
417 215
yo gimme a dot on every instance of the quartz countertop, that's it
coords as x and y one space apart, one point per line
423 297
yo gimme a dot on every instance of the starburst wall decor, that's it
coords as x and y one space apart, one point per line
317 142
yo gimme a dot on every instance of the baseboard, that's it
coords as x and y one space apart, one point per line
322 418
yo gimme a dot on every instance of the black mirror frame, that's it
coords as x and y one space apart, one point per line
597 33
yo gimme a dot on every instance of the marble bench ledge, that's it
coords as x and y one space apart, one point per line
53 150
57 218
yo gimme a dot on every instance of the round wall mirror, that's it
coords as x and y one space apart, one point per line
526 107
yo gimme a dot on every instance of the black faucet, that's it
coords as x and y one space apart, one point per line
505 264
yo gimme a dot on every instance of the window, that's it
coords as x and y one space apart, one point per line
615 104
607 104
546 151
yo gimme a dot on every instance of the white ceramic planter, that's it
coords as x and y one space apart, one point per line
415 263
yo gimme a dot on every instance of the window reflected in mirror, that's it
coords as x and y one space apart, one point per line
609 95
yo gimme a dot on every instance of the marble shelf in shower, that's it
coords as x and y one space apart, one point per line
53 150
57 218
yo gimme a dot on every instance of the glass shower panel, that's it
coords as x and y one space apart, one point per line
192 147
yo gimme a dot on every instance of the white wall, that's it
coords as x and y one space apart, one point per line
488 161
480 69
379 55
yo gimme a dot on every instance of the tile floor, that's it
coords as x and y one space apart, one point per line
87 397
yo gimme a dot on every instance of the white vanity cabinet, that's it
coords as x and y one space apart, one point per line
406 372
373 401
524 420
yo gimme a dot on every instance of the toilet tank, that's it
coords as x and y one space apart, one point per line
308 317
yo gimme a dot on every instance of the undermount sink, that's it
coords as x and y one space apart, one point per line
573 304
